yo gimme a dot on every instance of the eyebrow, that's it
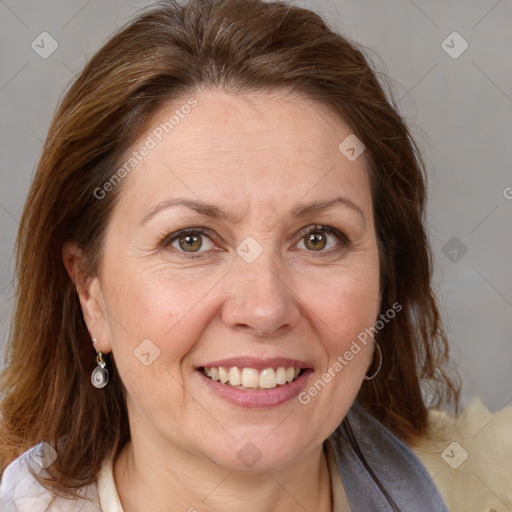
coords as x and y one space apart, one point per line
205 209
303 210
214 212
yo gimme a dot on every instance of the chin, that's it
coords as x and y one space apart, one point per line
260 452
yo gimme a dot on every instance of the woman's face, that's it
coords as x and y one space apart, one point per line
278 269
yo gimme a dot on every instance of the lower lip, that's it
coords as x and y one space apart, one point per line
257 399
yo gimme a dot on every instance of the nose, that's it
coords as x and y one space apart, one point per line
260 300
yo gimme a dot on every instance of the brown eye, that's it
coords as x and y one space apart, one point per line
315 241
323 240
190 243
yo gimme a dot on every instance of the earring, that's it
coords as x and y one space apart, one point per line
371 377
99 376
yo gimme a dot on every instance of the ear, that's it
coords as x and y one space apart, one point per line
90 296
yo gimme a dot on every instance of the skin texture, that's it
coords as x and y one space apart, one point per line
257 157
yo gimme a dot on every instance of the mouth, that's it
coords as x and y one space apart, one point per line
255 383
247 378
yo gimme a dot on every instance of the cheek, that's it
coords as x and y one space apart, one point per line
342 315
345 305
156 319
157 312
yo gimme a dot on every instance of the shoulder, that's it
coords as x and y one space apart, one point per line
21 492
469 457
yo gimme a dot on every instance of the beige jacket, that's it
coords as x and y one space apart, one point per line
470 459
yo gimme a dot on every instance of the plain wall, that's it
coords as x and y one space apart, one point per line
458 106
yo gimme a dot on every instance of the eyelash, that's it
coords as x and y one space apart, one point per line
344 240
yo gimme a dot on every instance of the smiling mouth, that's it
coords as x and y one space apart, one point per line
252 378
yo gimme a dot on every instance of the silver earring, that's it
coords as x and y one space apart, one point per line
94 341
99 376
371 377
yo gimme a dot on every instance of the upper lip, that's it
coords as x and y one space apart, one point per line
257 363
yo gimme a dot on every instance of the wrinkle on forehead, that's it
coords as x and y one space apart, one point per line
268 161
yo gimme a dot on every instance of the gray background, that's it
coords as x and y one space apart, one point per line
459 110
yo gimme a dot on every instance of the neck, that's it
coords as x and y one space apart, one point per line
146 481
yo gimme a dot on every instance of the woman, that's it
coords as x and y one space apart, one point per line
224 295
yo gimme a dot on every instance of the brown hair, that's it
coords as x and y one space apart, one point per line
171 50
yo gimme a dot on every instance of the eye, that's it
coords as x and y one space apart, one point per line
192 240
318 238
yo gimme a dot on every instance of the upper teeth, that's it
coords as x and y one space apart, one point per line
251 377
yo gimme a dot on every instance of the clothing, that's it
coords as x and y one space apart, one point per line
470 457
395 465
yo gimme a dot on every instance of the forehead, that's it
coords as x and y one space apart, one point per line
271 148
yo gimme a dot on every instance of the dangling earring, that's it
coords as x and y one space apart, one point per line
371 377
99 376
